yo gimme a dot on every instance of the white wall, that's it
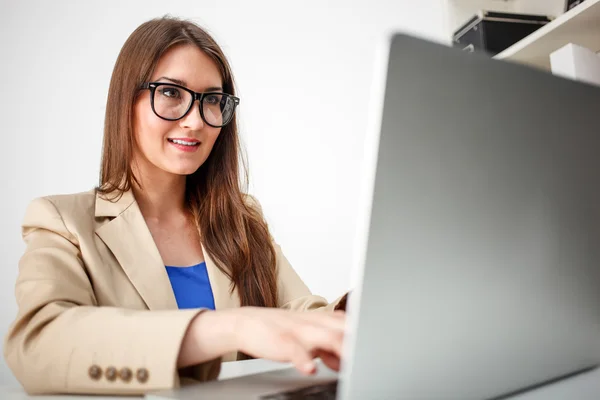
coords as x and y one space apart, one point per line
56 62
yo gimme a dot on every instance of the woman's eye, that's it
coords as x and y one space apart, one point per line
171 93
213 99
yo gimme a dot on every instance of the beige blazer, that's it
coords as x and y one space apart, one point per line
96 311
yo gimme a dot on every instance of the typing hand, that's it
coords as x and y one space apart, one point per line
290 336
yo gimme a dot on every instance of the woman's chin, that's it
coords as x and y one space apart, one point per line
183 171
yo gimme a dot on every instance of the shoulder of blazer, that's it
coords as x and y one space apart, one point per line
74 204
77 210
78 202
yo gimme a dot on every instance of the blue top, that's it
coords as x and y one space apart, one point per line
191 286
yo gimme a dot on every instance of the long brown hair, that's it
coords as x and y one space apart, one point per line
233 231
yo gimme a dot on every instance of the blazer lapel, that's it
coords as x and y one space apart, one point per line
221 285
131 242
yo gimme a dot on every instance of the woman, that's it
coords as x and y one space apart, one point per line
118 286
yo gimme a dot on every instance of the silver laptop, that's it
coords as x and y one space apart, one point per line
478 258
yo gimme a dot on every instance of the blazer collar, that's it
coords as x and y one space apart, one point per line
128 237
108 207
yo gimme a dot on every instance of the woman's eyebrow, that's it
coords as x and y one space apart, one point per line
174 80
214 89
183 83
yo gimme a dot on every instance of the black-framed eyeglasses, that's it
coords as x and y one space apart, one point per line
172 102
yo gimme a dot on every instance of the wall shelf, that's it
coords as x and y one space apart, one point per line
580 25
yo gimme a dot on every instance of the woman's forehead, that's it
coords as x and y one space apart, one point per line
189 66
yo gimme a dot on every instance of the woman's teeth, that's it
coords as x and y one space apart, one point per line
184 143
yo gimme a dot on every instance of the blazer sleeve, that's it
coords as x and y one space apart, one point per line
63 342
293 293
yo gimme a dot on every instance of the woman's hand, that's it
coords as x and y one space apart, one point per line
291 336
274 334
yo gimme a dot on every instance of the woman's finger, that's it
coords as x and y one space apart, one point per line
300 357
329 359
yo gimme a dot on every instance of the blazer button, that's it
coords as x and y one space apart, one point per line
95 372
111 373
142 375
125 374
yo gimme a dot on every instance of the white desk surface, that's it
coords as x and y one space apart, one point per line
228 370
584 386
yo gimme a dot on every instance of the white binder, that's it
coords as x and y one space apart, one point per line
577 63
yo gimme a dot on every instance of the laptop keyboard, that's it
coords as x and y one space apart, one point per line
318 392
